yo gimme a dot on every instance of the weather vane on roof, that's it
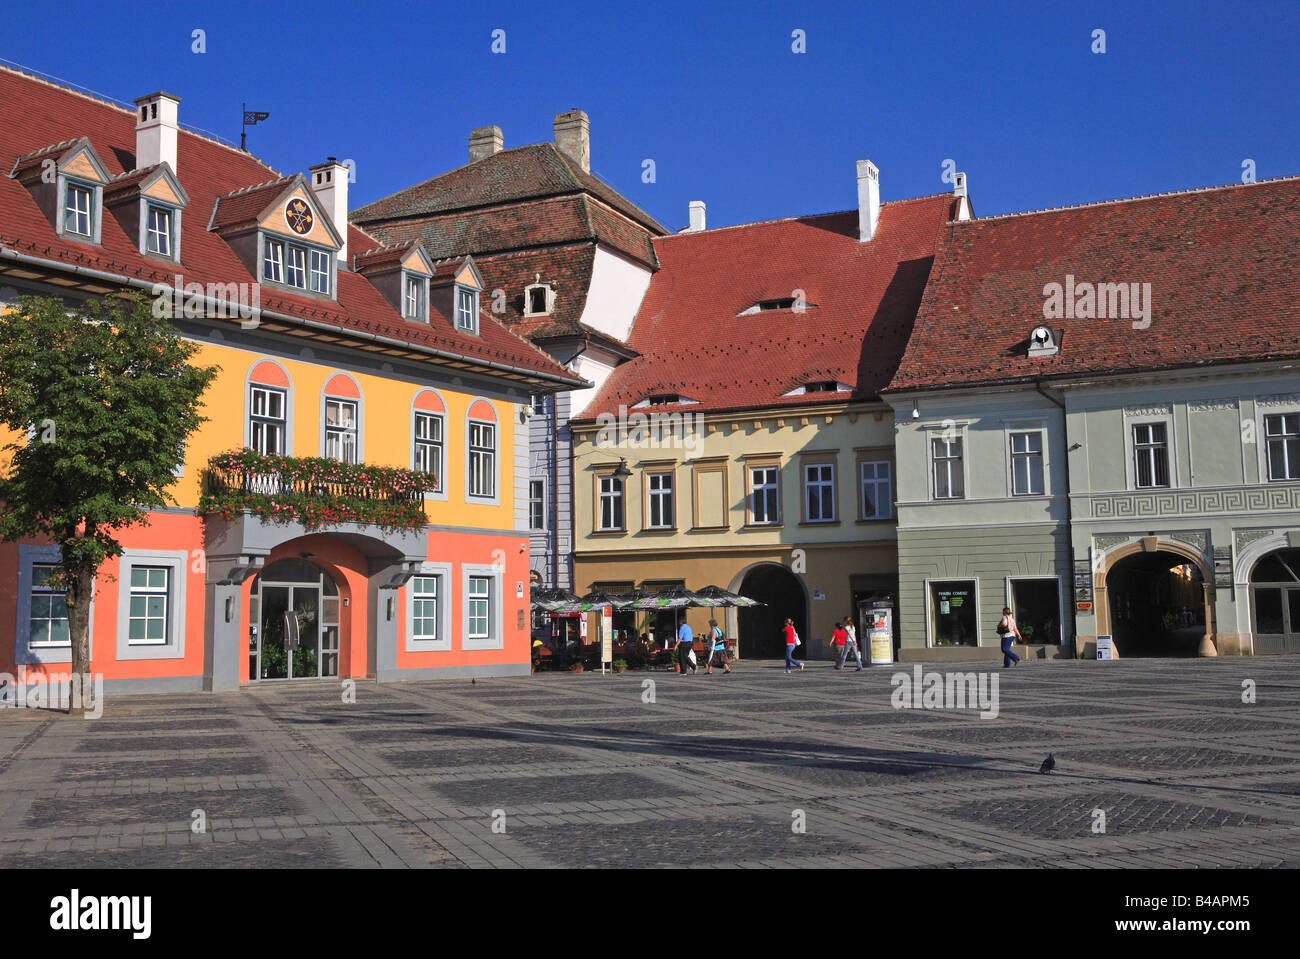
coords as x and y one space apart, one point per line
251 118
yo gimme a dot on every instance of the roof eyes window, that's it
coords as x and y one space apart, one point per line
783 303
539 298
822 386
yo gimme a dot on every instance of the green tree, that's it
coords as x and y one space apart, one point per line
103 397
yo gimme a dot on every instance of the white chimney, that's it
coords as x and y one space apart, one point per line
959 191
868 200
156 130
573 137
329 181
484 142
697 216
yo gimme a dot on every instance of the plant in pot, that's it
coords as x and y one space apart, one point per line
620 665
576 667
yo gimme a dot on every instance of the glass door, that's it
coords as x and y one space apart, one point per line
305 661
273 652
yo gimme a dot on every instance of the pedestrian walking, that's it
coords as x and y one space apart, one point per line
1009 632
717 649
685 647
850 645
791 641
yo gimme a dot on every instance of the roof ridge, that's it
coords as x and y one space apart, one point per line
791 219
256 186
1131 199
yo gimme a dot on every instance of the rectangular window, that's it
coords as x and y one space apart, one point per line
76 212
611 502
877 490
428 445
158 238
819 492
295 271
482 459
1036 605
48 620
1027 464
150 599
320 272
341 430
954 617
424 617
536 504
1282 434
266 427
1150 455
764 505
465 311
949 478
479 607
414 298
660 492
273 261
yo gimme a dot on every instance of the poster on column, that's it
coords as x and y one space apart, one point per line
606 635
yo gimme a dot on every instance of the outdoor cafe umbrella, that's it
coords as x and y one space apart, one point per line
596 599
674 597
717 596
552 599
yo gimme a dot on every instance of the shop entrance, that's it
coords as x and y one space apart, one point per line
761 635
1157 604
295 605
1275 602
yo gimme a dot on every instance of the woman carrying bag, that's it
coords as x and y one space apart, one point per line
1010 633
791 641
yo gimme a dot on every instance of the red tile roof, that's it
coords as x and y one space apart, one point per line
35 113
1223 264
244 206
862 298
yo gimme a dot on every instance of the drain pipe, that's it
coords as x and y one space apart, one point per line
1069 516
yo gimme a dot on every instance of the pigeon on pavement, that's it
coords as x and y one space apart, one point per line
1048 764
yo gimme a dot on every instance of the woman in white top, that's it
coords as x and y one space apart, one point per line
1010 633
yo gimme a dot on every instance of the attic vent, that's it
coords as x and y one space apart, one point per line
822 386
1043 341
662 399
539 298
763 306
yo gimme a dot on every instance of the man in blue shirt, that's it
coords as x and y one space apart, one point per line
685 643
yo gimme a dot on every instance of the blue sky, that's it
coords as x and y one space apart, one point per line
715 96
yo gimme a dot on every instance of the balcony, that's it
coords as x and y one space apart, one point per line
313 491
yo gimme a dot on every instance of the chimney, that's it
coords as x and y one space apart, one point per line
868 200
959 191
156 130
484 142
329 181
697 216
573 137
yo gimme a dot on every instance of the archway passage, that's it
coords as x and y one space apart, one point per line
1275 602
760 627
1157 605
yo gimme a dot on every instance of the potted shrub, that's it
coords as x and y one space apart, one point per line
576 667
620 665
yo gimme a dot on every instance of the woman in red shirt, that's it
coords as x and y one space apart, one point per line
790 640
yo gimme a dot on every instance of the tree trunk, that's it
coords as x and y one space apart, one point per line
80 584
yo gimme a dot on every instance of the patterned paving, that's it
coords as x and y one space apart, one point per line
752 769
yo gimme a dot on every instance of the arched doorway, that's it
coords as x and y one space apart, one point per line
1275 602
760 635
1157 604
295 607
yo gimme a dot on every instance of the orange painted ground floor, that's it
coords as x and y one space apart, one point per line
216 605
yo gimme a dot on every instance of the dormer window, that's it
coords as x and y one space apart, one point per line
300 267
158 238
413 300
78 218
822 386
320 272
539 298
466 310
273 261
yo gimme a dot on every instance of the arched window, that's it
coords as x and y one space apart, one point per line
341 419
268 399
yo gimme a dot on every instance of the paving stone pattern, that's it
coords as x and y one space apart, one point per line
753 769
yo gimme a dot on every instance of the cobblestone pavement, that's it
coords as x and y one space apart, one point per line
578 771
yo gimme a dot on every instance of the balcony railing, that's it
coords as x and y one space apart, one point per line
313 491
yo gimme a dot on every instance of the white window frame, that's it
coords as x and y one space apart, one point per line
616 493
32 590
1152 415
177 563
261 418
1262 434
823 485
413 283
1011 432
327 273
442 573
537 486
439 446
658 496
496 621
472 452
935 434
167 234
77 187
461 315
1137 448
750 501
340 431
272 259
876 481
147 592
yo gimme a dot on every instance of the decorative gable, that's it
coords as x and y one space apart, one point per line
148 203
67 181
401 274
